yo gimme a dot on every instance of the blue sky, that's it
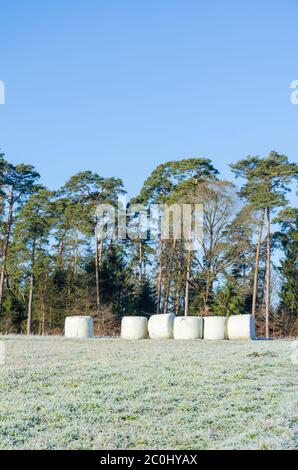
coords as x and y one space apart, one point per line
121 86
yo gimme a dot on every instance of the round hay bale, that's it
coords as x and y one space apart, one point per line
161 326
188 328
241 327
78 326
215 328
134 328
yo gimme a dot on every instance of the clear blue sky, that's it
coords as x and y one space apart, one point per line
121 86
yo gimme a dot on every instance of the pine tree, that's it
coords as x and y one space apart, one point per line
171 183
32 238
245 169
227 301
18 182
287 239
87 190
268 181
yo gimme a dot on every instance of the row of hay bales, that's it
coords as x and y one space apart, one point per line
167 326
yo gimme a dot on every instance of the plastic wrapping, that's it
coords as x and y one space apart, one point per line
161 326
215 328
134 328
78 327
188 328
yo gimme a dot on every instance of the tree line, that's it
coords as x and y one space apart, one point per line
53 264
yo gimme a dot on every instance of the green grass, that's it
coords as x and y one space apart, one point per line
114 394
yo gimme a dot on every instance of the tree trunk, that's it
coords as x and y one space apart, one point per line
186 301
76 254
159 279
177 286
60 250
100 251
177 301
43 306
97 272
29 318
168 277
267 310
5 251
43 317
140 260
256 274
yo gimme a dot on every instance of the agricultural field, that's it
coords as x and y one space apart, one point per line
115 394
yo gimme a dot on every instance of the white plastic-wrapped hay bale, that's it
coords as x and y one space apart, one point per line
241 327
215 328
188 328
134 328
161 326
78 326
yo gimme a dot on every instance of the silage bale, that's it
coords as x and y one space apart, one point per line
161 326
78 326
134 328
241 327
188 328
215 327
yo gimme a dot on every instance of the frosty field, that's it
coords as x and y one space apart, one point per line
116 394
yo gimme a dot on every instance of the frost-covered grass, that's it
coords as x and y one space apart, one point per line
115 394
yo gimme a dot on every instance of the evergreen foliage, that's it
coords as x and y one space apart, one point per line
54 264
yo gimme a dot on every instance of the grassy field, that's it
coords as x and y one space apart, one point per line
114 394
